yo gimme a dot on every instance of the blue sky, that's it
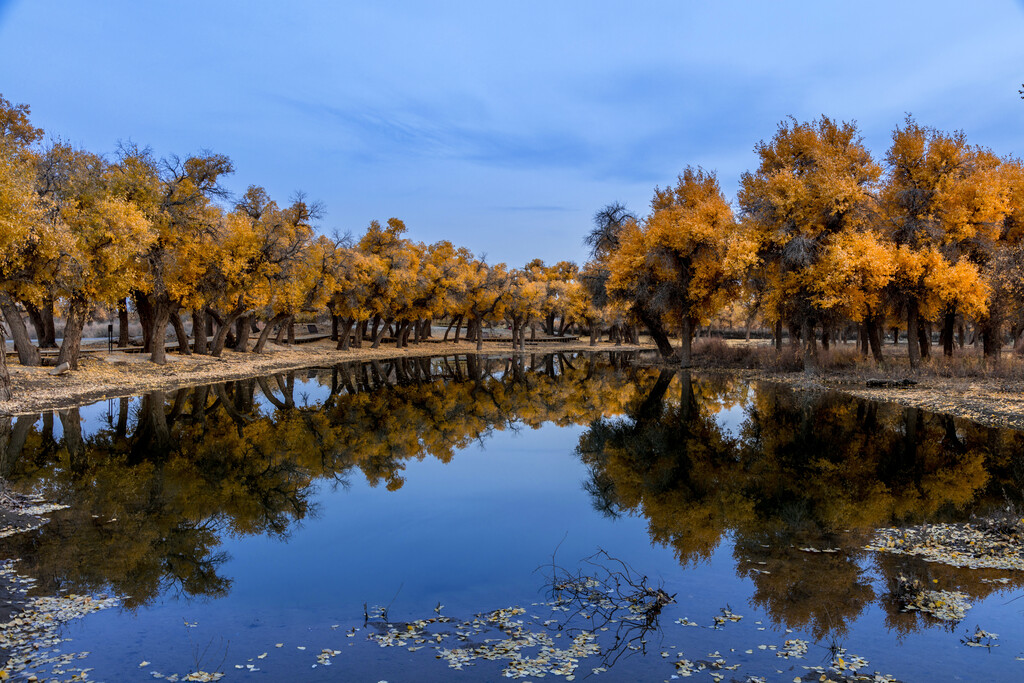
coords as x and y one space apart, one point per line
502 126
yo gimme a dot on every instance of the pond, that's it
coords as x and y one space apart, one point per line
474 518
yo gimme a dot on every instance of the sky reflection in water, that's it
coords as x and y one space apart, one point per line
270 511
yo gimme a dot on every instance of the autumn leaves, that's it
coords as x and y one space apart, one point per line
827 237
81 232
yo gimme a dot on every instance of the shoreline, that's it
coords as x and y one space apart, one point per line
119 374
988 401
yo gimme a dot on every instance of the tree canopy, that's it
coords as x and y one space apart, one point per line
823 237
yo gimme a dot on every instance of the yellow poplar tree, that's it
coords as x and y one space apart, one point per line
942 201
19 208
814 183
682 257
850 278
100 238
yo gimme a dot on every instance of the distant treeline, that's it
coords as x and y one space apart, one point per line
825 237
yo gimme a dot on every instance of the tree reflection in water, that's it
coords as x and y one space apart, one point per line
153 491
805 473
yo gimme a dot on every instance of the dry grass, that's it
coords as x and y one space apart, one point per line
846 359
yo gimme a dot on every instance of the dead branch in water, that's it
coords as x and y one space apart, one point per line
607 593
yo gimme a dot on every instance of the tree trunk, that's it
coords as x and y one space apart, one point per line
291 330
72 342
478 326
221 338
49 328
334 327
179 332
862 338
991 340
42 321
5 375
122 323
924 338
265 333
28 354
401 329
360 334
686 339
379 333
948 323
157 349
201 344
794 335
810 347
36 318
144 307
657 332
344 333
874 327
594 332
243 326
778 336
913 347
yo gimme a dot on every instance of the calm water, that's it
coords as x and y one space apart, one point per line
233 518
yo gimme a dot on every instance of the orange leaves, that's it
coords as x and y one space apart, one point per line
959 286
942 191
813 177
20 209
526 296
805 206
678 256
91 238
934 282
852 274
